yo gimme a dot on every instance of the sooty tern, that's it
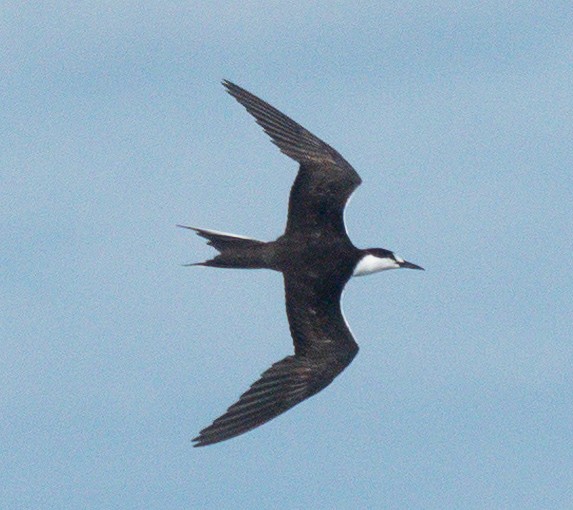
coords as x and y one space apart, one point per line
316 258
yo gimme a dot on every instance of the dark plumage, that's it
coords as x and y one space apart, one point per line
316 258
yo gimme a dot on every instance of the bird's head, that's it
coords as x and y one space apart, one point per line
379 259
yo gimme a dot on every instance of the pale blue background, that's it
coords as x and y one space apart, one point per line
114 127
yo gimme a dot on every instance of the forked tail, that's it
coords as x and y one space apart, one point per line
234 251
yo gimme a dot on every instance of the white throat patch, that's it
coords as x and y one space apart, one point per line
372 264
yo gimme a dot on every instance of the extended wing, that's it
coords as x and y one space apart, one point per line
324 347
325 179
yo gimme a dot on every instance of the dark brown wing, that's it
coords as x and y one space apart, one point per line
325 180
315 318
324 347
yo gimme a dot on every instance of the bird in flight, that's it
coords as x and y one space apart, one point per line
316 259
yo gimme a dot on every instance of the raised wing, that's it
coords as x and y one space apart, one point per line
324 347
325 180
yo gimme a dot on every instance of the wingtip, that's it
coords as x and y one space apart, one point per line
204 440
197 442
235 90
228 84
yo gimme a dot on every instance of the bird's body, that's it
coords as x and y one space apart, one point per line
316 258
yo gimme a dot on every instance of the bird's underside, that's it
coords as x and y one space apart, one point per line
314 276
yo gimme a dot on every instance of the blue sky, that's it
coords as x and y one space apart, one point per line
457 115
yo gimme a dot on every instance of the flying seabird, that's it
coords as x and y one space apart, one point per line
316 258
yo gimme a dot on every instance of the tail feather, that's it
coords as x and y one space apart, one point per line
222 241
235 251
